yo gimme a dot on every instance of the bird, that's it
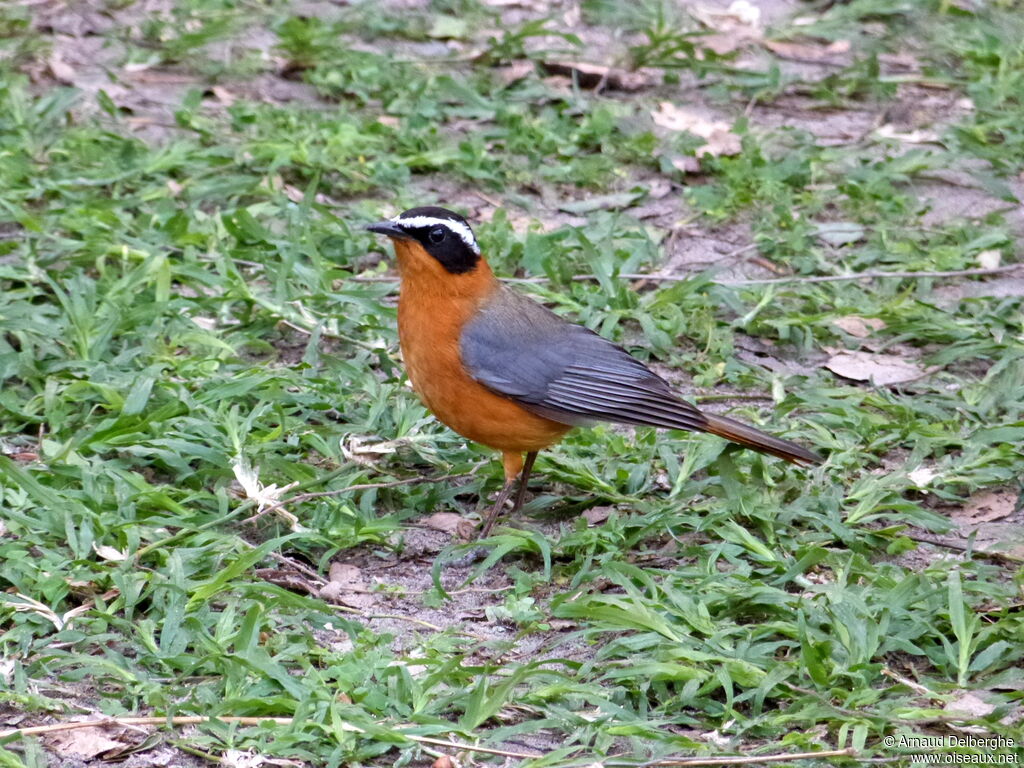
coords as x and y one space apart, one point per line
504 371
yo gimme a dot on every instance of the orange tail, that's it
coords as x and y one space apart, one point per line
754 438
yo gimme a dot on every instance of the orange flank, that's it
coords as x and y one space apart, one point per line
433 307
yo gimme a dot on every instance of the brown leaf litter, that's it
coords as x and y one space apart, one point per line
598 76
717 134
859 327
877 368
347 587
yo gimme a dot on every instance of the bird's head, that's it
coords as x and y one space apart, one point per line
432 233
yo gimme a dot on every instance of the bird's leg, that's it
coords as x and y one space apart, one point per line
513 464
499 502
524 478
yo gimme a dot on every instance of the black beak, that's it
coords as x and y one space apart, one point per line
388 228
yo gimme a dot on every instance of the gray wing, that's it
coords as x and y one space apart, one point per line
565 372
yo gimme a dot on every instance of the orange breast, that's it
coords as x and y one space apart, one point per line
433 307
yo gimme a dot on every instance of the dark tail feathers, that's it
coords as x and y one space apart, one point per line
754 438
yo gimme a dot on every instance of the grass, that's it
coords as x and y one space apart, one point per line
177 305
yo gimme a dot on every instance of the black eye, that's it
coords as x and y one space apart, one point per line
436 235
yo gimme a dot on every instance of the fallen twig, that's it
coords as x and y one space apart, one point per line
917 688
749 281
469 748
959 547
727 398
305 570
753 760
400 617
874 274
114 722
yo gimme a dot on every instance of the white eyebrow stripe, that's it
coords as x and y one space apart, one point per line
460 229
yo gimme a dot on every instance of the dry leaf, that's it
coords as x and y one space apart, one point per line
293 193
381 448
716 737
346 587
1000 539
614 201
559 625
332 593
920 136
597 75
236 758
902 60
532 5
861 327
837 233
686 164
985 507
31 605
1010 679
877 368
444 761
558 83
84 742
224 96
922 476
745 12
61 70
719 139
1000 288
731 29
140 66
206 323
740 14
264 495
969 705
989 259
447 522
516 71
723 43
110 553
597 515
807 51
347 576
447 27
6 675
162 77
658 188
